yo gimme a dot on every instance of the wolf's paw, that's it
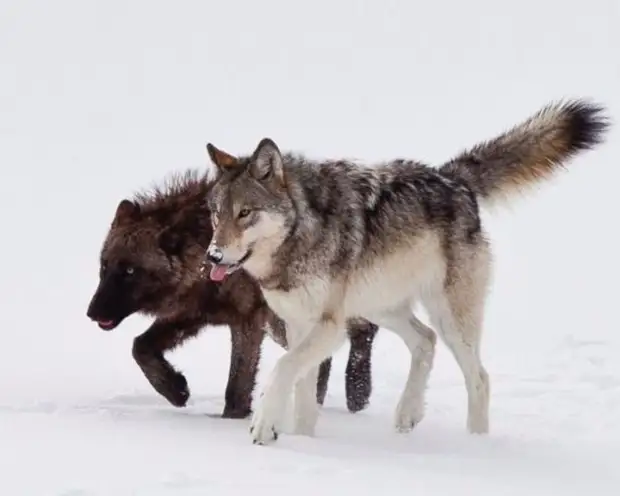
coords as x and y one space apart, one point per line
407 417
357 402
174 388
478 424
264 428
263 433
171 384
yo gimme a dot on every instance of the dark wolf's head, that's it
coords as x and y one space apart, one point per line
153 249
251 210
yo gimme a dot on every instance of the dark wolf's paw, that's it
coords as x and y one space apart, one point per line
357 402
236 413
175 389
171 385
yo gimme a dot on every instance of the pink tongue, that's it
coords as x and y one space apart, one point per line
218 272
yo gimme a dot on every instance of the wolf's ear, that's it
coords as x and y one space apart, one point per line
267 161
125 211
220 158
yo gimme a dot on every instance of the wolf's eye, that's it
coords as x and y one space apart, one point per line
130 271
244 212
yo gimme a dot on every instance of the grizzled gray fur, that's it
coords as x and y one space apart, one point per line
329 241
150 264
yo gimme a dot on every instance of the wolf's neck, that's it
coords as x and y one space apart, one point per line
282 268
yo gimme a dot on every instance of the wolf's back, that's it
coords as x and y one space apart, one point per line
532 151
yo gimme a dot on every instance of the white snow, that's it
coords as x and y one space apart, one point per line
100 98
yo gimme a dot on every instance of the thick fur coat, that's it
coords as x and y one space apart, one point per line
150 264
331 240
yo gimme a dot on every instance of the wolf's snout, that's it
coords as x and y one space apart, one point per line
92 310
90 314
214 255
94 313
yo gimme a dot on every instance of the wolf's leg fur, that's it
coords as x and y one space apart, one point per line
420 341
457 314
358 379
306 392
278 332
358 376
323 380
245 351
148 352
301 361
306 411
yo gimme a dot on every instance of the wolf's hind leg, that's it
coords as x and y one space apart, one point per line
358 374
323 380
457 314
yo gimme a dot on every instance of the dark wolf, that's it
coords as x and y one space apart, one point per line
150 264
330 240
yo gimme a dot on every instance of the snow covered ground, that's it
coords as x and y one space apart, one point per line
98 98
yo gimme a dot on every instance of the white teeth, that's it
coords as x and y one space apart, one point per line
231 269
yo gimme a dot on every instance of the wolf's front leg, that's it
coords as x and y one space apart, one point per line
148 352
245 350
306 411
299 362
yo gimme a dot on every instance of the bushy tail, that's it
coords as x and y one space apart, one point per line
532 151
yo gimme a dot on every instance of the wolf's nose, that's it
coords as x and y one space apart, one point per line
214 255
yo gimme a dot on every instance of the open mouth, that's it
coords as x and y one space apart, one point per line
219 272
107 325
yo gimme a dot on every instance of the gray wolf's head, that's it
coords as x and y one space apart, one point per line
251 210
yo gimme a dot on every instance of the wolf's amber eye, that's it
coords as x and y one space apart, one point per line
244 212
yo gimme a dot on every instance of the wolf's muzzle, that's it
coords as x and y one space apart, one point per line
214 255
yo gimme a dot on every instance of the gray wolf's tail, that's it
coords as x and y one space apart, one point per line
532 151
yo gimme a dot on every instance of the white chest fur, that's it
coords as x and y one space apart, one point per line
301 306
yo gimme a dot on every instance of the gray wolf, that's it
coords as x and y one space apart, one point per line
327 240
149 264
